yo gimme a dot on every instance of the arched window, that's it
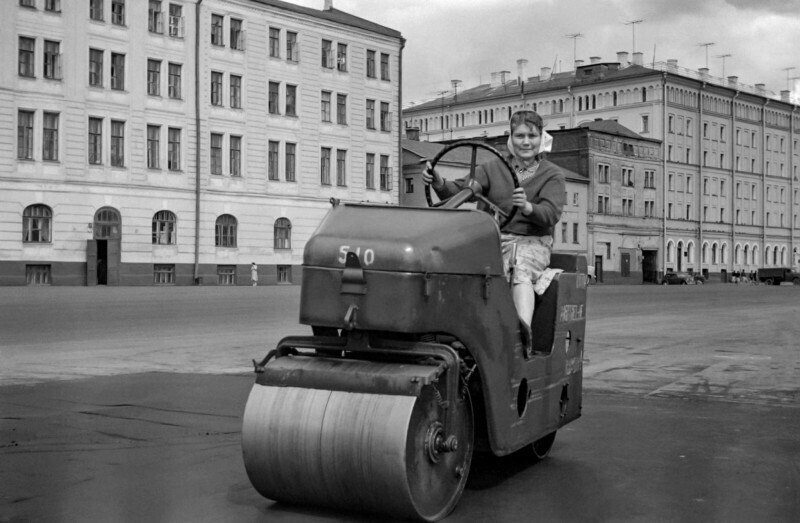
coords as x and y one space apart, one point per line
723 253
164 232
705 253
37 224
714 254
670 251
737 251
690 252
107 224
775 255
283 234
225 234
755 254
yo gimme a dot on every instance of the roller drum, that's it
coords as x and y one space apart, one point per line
356 451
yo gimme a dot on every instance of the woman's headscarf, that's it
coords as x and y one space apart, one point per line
531 119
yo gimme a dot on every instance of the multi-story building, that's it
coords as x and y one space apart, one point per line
729 153
178 141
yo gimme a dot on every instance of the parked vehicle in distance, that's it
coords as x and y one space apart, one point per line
778 275
678 278
699 278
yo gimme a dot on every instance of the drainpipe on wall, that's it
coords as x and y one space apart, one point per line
764 183
733 181
197 143
793 185
664 173
400 121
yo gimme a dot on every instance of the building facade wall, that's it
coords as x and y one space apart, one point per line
74 183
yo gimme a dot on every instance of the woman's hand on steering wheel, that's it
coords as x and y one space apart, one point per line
520 199
431 177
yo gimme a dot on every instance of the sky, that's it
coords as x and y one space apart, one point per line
469 39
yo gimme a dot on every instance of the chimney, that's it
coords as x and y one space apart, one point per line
544 74
504 76
785 95
672 65
578 63
703 72
521 66
412 133
328 5
622 58
733 80
495 80
638 58
594 59
761 87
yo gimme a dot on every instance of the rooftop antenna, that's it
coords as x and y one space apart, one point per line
633 23
455 84
788 79
723 56
706 45
574 37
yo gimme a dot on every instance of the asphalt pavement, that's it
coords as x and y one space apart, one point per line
125 405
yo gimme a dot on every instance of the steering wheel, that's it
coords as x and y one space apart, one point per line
472 191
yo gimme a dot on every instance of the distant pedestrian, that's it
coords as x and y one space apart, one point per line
254 274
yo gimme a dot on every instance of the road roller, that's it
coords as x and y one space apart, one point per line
414 361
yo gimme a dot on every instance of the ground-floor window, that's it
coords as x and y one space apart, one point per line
226 274
284 274
164 274
37 274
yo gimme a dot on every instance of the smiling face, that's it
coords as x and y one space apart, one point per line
526 140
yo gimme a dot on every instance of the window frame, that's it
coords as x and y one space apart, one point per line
95 141
37 224
164 228
25 123
26 58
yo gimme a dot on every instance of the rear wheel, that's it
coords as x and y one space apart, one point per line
768 281
541 447
796 281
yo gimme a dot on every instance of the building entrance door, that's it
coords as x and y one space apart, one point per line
649 267
598 269
103 252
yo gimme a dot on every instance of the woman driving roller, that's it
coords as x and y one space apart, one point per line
540 197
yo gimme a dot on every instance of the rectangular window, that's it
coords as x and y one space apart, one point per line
370 64
341 168
384 66
292 52
370 114
96 67
28 3
117 71
54 6
154 77
117 143
291 100
274 42
284 274
25 135
216 153
564 232
409 185
341 109
575 233
52 60
290 162
326 106
272 160
370 171
386 173
27 48
155 21
174 149
236 91
118 12
153 146
96 10
226 274
37 274
274 97
95 141
327 54
385 117
164 274
236 155
645 123
237 34
216 30
175 81
325 166
50 136
176 20
341 57
216 88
